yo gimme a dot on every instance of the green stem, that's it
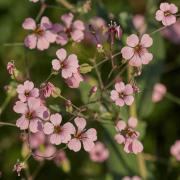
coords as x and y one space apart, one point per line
5 103
133 113
7 124
172 98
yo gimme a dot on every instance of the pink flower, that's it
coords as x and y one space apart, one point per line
34 1
166 14
131 178
158 92
128 136
74 80
69 29
41 35
136 50
10 67
26 91
47 89
99 153
60 158
139 23
122 94
58 133
32 113
87 137
175 150
68 65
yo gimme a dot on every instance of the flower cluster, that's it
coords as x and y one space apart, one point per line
128 136
175 150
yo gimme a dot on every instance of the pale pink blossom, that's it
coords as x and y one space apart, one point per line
159 92
166 13
34 1
131 178
128 136
99 153
42 34
18 167
67 64
175 150
139 23
123 94
32 114
136 50
69 29
74 80
60 157
10 67
58 133
27 90
47 90
82 135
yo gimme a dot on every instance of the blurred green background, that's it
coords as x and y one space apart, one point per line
160 122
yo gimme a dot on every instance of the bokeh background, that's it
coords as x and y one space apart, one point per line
160 122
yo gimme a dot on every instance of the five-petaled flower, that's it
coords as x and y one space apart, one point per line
128 136
67 65
87 137
26 91
69 29
136 50
42 34
32 114
122 94
166 13
58 133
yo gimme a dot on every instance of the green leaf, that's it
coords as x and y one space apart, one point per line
85 68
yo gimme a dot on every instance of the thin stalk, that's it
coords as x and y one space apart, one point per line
172 98
67 5
7 124
133 113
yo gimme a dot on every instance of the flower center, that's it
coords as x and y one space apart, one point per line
138 48
29 115
167 13
27 93
68 31
128 132
38 31
57 129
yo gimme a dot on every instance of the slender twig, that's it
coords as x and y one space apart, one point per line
172 98
7 124
67 5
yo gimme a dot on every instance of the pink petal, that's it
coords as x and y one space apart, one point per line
120 86
35 92
29 24
128 89
119 138
120 126
77 35
129 100
20 107
56 119
114 95
146 40
169 20
137 147
61 54
28 85
55 139
80 123
135 61
51 37
146 58
74 144
33 125
33 103
56 64
69 128
159 15
88 144
42 43
48 128
66 73
74 80
132 122
20 89
30 41
22 123
164 6
79 25
173 8
91 134
62 39
119 102
127 52
67 19
45 23
132 40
